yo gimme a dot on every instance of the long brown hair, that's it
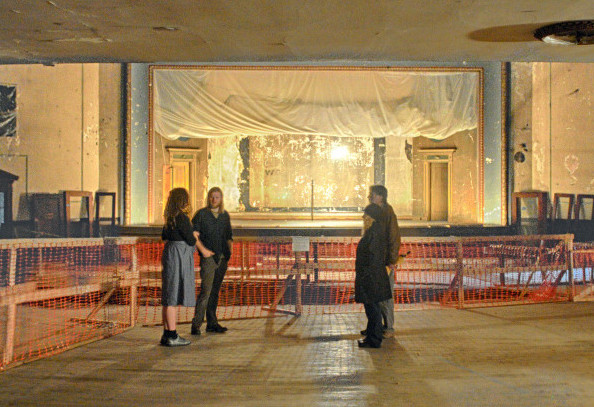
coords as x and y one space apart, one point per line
380 190
177 202
212 191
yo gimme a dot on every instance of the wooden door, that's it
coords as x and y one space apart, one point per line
177 175
438 195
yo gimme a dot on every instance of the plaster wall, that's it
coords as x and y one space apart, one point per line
520 145
541 127
571 129
560 143
111 124
399 176
57 146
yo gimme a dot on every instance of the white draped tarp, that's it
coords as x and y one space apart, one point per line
211 103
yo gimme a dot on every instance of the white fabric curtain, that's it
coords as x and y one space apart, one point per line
344 103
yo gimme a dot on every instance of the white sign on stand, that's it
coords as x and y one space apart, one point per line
300 243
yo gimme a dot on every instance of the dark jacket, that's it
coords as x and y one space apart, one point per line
181 231
214 232
371 279
393 235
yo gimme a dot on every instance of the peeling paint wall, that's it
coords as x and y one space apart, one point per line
281 170
541 130
399 176
111 123
520 143
553 125
224 169
572 128
58 130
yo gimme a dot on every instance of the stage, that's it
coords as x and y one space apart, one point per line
341 227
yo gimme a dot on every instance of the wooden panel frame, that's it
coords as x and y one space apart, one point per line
68 195
542 198
578 203
557 205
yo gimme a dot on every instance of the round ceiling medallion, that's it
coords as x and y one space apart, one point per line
567 33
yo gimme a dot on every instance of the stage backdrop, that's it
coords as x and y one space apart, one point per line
315 136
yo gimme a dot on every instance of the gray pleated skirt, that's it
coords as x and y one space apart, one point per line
178 277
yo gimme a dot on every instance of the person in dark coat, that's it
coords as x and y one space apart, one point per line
372 284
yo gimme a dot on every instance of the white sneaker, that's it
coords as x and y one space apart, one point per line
179 341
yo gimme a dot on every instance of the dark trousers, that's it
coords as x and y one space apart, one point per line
374 323
212 275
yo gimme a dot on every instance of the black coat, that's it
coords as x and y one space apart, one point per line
371 278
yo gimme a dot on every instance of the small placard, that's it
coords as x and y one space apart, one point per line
300 243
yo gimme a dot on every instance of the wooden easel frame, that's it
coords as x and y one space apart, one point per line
68 195
578 204
542 208
113 220
557 205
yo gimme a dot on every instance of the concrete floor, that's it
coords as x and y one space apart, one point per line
535 355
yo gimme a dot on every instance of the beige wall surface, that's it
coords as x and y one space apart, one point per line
111 123
399 175
520 146
59 129
557 125
572 128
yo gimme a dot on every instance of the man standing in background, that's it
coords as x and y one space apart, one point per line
378 194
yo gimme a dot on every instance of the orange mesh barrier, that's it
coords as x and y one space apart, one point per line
583 271
55 294
265 275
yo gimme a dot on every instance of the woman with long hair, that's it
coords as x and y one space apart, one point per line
178 277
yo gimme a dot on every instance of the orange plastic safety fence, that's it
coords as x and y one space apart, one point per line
266 275
583 270
511 270
57 293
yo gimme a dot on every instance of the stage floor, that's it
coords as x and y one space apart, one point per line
535 355
322 223
335 227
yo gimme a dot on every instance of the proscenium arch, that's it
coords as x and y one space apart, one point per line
472 70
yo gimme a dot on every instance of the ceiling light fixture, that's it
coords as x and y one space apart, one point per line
567 33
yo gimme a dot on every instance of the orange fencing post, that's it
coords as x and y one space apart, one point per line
569 260
11 315
460 272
